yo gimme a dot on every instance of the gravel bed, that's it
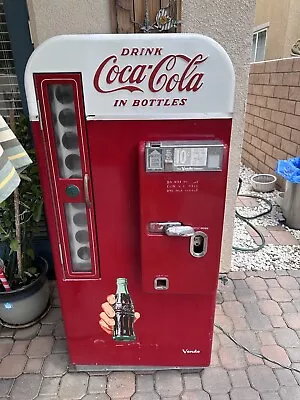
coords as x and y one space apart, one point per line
271 257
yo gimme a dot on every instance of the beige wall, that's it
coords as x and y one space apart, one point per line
293 28
58 17
231 26
284 29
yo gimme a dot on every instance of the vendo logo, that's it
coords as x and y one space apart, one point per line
187 351
172 72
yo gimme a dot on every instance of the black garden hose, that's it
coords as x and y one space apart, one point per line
247 220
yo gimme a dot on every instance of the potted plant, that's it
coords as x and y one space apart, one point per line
24 292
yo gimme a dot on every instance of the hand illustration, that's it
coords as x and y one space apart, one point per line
107 321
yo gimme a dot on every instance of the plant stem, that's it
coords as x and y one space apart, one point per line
18 230
17 205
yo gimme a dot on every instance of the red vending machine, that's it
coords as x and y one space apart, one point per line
132 135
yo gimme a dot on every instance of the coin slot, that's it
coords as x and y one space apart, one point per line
161 283
155 144
198 244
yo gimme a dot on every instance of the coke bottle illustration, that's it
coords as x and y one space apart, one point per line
124 313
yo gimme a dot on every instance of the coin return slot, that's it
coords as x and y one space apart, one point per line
198 244
161 283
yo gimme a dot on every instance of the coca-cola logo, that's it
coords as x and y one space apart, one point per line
172 72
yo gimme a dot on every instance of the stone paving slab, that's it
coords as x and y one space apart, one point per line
277 235
260 310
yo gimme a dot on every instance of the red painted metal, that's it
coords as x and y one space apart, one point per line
197 200
124 201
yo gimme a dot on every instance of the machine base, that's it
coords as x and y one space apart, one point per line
110 368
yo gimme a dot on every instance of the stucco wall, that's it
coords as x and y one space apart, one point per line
284 28
293 28
277 16
58 17
231 26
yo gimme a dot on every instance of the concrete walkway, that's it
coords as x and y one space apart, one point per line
260 310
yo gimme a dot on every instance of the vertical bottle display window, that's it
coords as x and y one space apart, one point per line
68 157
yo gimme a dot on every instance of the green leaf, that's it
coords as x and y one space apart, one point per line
37 211
3 205
32 270
34 169
30 253
14 245
25 177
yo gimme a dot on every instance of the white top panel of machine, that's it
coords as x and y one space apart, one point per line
140 76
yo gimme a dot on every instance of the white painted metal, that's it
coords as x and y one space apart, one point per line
84 54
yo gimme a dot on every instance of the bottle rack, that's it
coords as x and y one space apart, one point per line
69 165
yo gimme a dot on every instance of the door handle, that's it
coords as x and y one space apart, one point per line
86 190
180 231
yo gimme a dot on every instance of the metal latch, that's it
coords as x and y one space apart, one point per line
198 239
182 231
159 227
171 229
